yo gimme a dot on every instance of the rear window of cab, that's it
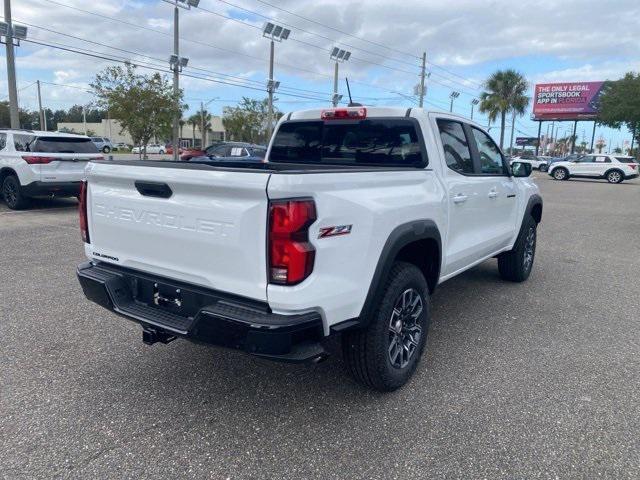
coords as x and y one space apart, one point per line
369 142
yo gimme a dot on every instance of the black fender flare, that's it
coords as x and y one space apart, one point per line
534 201
400 237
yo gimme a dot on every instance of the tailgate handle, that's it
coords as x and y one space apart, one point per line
153 189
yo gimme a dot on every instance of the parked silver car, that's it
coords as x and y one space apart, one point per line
103 144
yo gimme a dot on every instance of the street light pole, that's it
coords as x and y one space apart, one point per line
474 102
339 56
270 91
453 96
274 33
176 80
11 68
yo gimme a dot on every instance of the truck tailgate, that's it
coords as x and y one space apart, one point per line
208 228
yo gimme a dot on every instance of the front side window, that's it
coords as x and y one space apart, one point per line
380 142
3 140
491 161
456 148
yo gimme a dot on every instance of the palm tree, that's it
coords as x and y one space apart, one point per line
193 121
505 92
205 126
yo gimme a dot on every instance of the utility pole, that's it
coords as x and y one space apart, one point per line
84 118
203 140
43 125
573 137
11 68
423 73
176 78
513 127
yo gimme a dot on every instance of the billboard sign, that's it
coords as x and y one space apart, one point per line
566 101
527 141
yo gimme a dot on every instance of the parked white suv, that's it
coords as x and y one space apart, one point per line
34 163
357 216
536 163
615 168
151 148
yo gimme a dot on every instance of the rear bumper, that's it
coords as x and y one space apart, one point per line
203 315
633 175
60 189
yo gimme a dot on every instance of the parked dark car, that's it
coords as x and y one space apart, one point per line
226 150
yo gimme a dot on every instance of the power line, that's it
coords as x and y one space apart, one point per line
312 45
293 67
266 17
337 29
234 78
149 66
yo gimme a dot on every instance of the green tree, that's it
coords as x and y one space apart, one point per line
247 122
145 105
506 91
620 105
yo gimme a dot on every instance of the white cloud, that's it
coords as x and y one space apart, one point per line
592 38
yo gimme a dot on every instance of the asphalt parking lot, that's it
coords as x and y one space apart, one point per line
533 380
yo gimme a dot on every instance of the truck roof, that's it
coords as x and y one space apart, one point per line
315 113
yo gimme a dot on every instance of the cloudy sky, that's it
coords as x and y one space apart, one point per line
465 40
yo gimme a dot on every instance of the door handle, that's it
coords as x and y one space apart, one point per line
493 194
460 198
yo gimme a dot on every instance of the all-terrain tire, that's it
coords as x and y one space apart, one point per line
368 352
516 264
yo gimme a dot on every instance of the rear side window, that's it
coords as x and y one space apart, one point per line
491 162
625 160
379 142
258 152
456 148
63 145
22 143
3 140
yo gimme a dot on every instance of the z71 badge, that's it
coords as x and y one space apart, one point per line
334 231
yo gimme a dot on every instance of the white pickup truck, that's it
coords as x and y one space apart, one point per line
347 229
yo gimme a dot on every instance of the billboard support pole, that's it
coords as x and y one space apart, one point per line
539 132
593 135
573 137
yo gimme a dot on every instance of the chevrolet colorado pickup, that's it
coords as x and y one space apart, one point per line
347 229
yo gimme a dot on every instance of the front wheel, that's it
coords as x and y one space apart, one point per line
516 264
106 149
385 354
13 195
615 176
560 174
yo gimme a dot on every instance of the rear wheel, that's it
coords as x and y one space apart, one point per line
13 195
516 264
385 355
615 176
560 173
106 149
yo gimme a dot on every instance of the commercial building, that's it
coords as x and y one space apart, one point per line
189 136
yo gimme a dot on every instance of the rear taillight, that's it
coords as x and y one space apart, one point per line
633 165
359 113
82 211
33 160
291 256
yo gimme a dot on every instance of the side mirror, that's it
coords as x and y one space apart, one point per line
520 169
